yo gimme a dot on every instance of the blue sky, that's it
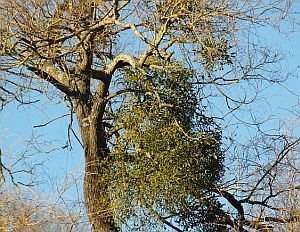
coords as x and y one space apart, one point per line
17 124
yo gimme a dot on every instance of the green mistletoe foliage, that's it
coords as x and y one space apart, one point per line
167 156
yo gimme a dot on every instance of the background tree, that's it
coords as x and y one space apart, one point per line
22 211
139 75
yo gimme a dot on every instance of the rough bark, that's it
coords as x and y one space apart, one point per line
96 193
100 216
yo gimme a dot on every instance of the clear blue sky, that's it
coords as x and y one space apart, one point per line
17 123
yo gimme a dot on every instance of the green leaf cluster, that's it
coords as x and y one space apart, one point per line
167 157
215 53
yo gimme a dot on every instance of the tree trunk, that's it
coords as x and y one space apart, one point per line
96 193
96 200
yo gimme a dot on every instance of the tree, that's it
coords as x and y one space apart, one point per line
22 211
140 110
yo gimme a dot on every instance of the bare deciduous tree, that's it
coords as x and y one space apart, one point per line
97 55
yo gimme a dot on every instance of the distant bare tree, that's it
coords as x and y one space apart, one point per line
21 211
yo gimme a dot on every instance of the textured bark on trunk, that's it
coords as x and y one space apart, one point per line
100 216
96 193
